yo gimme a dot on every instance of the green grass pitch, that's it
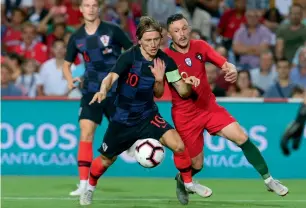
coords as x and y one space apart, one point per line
52 192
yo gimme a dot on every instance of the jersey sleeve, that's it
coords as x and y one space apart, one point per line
172 72
72 50
123 63
122 38
212 55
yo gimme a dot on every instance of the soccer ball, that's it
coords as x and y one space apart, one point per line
149 153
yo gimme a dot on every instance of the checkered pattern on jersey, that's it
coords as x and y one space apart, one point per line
135 99
100 53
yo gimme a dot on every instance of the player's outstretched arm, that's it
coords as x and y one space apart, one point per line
106 85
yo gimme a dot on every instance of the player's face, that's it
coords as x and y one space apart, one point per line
90 10
150 42
179 32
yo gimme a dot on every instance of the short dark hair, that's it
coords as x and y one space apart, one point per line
283 59
173 18
296 5
147 24
99 2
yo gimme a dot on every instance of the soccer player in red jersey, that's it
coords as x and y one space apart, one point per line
192 116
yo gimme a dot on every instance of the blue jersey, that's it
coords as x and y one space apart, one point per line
100 52
135 92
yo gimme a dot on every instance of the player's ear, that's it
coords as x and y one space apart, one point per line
169 36
139 42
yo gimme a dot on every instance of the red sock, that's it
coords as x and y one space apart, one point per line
97 169
182 162
84 159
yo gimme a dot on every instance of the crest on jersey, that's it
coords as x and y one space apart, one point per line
188 61
105 40
199 57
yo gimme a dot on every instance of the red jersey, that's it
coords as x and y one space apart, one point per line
11 39
193 64
37 51
230 22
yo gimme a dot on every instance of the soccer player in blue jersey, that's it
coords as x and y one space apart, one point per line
101 44
140 72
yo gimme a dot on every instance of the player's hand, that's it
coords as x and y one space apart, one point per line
158 70
231 73
192 80
99 96
71 84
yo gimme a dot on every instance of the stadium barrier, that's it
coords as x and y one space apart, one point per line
40 137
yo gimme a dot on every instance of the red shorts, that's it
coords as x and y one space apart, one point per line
191 127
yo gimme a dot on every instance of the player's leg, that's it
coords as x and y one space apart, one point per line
191 133
89 118
223 124
116 140
182 160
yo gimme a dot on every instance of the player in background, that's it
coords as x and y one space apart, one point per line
295 131
192 116
140 72
101 44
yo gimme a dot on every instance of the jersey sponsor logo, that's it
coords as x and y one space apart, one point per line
188 62
105 40
199 56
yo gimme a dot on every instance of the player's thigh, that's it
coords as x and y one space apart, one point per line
93 112
217 119
234 132
193 138
117 139
157 128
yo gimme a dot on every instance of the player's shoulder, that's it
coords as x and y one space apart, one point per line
163 55
109 26
79 33
199 45
130 53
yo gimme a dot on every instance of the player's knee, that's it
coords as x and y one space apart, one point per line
179 146
241 139
87 130
107 162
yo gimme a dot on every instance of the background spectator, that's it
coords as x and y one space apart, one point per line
212 74
8 87
283 88
51 72
265 75
251 40
29 81
244 86
298 73
290 37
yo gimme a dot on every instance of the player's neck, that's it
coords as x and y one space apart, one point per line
145 54
91 27
180 49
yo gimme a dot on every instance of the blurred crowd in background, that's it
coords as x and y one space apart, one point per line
265 39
